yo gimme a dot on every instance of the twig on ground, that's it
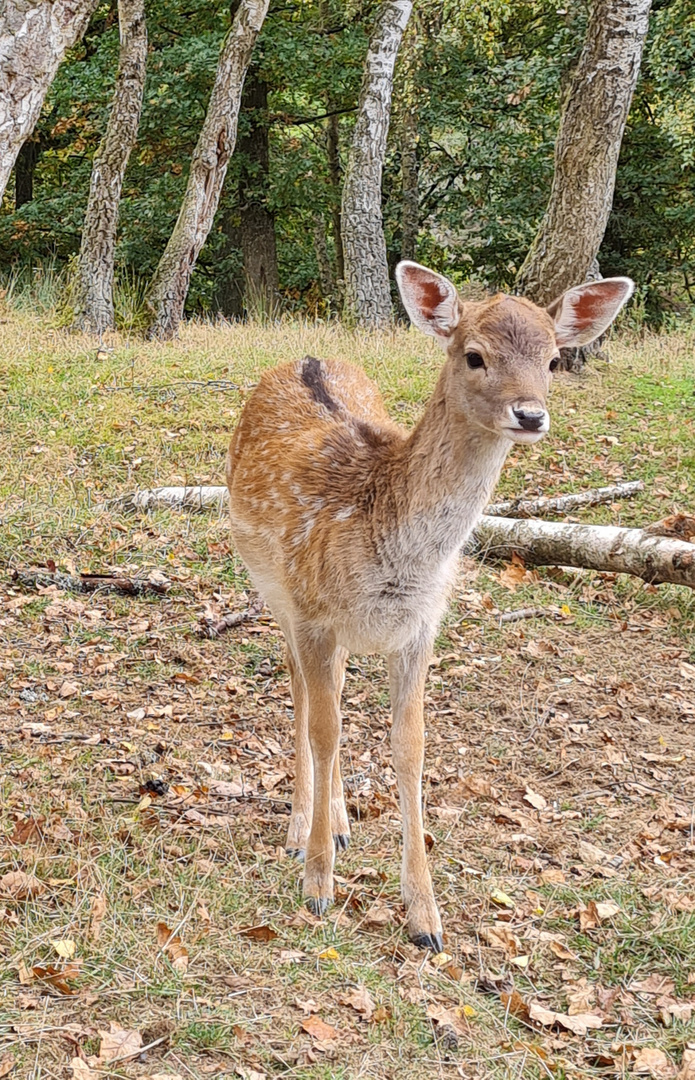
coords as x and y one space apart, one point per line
563 504
87 583
523 613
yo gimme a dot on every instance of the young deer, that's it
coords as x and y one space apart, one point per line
351 527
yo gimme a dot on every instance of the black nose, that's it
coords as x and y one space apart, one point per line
529 421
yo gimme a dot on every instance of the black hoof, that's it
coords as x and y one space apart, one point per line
342 841
296 853
433 942
317 905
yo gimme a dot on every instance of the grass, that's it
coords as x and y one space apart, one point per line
596 718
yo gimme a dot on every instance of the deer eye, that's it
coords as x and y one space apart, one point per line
554 362
474 360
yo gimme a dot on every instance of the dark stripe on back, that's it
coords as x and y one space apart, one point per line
312 377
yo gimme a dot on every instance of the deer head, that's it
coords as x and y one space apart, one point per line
502 351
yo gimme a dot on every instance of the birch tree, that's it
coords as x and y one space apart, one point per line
94 292
34 37
167 292
587 149
367 291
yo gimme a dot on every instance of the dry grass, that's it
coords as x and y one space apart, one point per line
590 708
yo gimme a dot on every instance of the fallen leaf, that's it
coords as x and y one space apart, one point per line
119 1043
20 886
329 954
578 1025
173 947
651 1061
535 800
308 1005
687 1071
318 1029
378 915
58 977
7 1064
595 913
501 899
478 785
361 1001
97 916
259 933
452 1018
27 830
82 1071
592 855
65 948
561 951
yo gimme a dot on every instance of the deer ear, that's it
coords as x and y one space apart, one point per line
583 313
430 300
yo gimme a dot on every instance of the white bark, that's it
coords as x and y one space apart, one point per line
94 306
168 289
656 559
367 292
563 504
178 498
34 37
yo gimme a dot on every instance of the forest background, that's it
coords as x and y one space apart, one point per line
477 98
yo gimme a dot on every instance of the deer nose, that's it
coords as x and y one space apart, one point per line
530 420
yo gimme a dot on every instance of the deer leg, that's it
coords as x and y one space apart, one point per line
318 657
303 798
339 816
407 672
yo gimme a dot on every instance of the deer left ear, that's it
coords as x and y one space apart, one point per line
430 300
583 313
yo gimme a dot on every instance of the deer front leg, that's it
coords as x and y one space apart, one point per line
303 798
407 672
320 664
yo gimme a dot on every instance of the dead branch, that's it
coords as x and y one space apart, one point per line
87 583
216 498
212 628
655 559
523 613
563 504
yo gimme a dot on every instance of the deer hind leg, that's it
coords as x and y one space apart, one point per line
407 671
303 798
321 668
339 815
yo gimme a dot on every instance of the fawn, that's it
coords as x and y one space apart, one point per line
350 528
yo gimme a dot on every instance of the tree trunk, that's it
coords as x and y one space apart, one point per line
564 504
257 225
34 37
410 196
24 168
169 286
335 172
587 150
323 262
94 301
367 291
656 559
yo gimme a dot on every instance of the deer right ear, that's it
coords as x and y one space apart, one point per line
430 300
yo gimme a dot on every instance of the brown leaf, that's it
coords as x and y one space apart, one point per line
561 951
318 1029
687 1071
592 855
378 915
478 785
173 947
448 1018
259 933
7 1064
58 977
308 1005
119 1043
578 1025
361 1001
20 886
597 912
81 1070
651 1061
552 876
96 917
27 830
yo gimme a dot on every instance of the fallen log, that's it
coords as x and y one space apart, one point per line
203 497
564 504
656 559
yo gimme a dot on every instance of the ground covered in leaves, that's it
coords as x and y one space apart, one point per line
150 922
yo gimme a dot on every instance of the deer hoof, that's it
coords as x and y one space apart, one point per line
342 841
433 942
317 905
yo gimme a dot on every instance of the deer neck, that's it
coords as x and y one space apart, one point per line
449 470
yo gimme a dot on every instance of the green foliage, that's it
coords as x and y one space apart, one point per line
485 83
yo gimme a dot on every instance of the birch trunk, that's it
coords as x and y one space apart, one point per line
410 206
656 559
587 150
367 291
169 286
94 293
34 37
